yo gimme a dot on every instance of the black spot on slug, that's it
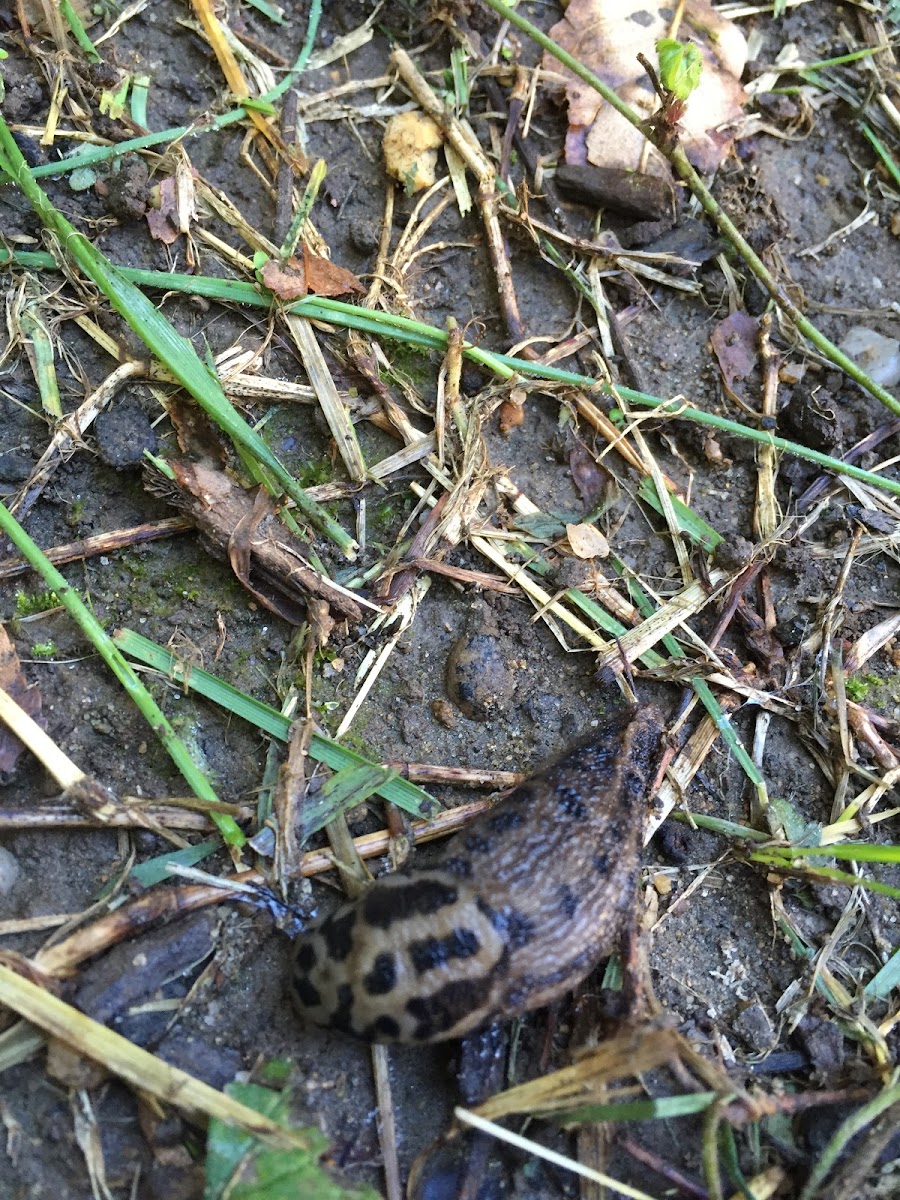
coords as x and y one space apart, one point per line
520 929
437 952
492 915
381 979
600 863
458 866
307 994
383 1027
306 956
634 782
338 934
419 897
599 761
505 821
516 929
571 803
476 843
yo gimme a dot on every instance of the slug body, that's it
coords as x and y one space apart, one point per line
516 912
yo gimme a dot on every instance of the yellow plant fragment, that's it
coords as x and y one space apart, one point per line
587 542
410 145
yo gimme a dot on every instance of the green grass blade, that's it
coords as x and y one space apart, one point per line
883 982
156 870
689 522
640 1110
174 351
78 31
344 790
398 791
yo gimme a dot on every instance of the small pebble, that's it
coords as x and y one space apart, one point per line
878 356
9 871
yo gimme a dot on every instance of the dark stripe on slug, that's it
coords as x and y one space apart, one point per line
382 906
437 952
568 901
381 979
437 1013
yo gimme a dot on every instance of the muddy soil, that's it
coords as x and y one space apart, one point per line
721 966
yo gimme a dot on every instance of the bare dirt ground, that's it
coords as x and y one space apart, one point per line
764 976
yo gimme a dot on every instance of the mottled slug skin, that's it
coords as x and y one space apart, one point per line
517 910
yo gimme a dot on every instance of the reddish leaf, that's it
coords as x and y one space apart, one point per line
25 694
286 280
326 278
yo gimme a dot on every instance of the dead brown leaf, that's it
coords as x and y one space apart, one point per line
326 278
162 217
734 345
607 36
293 279
587 542
285 280
241 525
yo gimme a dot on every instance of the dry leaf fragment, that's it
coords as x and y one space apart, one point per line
713 452
587 542
325 278
285 280
25 694
734 345
162 216
410 144
512 410
607 36
588 476
293 279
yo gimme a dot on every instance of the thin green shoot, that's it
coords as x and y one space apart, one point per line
123 671
72 19
140 94
315 181
887 159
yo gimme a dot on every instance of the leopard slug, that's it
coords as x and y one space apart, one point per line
516 911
